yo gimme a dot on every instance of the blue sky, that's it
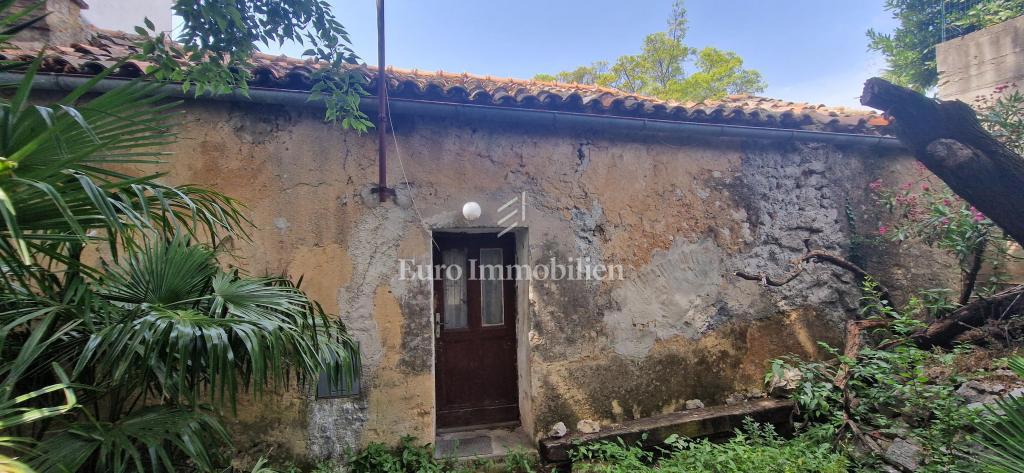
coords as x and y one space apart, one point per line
808 50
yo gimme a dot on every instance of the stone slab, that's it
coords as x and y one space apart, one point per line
712 421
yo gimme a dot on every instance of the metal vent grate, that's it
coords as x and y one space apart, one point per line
342 387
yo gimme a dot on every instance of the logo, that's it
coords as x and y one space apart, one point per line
515 212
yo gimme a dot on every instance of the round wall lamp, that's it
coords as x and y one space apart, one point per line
471 211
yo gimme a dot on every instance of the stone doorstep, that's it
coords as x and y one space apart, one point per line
481 443
715 421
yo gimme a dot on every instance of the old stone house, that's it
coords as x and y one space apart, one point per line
679 196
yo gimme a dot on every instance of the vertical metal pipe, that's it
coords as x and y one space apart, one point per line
943 16
382 111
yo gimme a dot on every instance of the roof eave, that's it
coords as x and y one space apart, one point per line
553 118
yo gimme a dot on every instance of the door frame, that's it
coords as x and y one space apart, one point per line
522 328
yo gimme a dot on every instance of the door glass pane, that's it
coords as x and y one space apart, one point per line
492 307
455 309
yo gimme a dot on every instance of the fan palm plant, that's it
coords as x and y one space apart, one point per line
1002 431
178 338
16 409
126 363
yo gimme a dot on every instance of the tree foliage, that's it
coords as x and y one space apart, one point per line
660 68
717 72
218 39
909 50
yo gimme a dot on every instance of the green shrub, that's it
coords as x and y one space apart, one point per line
611 457
754 448
407 457
900 391
520 461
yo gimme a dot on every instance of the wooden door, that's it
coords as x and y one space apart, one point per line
475 330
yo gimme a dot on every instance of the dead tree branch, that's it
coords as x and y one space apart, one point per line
816 255
948 139
942 332
970 277
854 342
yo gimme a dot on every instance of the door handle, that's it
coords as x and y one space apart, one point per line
437 325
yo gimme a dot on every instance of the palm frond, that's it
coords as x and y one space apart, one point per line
24 408
159 322
1001 432
191 328
12 465
57 185
164 274
147 440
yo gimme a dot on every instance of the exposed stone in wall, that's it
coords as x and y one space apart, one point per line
796 196
680 326
415 300
63 24
334 425
792 205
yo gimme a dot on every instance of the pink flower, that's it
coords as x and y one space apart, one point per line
907 185
947 202
978 216
882 229
875 185
945 221
924 186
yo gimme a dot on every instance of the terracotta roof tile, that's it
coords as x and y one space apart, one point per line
283 72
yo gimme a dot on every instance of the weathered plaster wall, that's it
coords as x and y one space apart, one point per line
679 214
972 65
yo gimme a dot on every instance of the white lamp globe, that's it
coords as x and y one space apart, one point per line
471 211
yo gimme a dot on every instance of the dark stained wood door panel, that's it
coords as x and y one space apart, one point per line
476 377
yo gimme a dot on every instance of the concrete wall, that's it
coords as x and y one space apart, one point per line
679 214
971 66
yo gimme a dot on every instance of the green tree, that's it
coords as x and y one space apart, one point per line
596 73
660 69
910 48
220 37
717 72
678 24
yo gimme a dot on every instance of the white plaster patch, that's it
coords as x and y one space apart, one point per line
374 261
672 296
